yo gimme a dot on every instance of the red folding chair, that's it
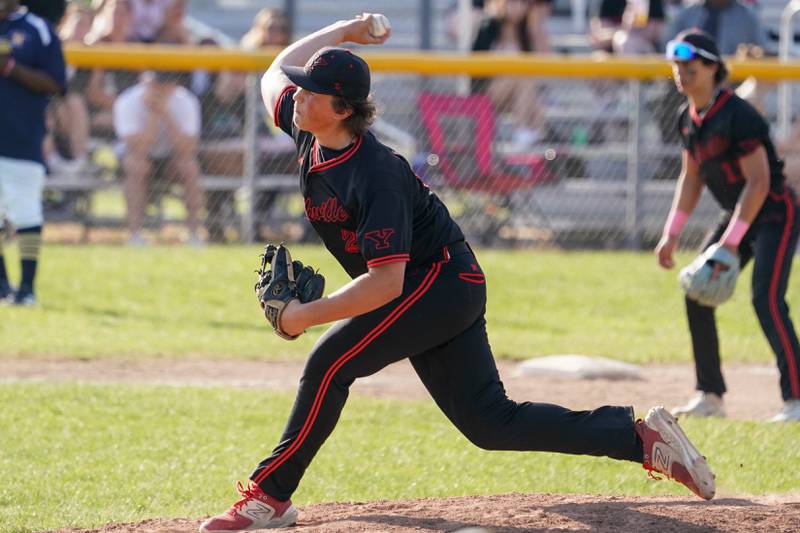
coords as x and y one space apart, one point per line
461 134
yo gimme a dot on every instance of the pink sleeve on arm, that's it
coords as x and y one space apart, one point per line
675 222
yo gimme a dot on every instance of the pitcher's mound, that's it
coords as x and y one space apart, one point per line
518 513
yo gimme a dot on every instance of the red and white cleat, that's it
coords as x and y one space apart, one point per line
255 510
668 451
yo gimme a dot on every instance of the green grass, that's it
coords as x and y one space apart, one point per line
106 301
83 455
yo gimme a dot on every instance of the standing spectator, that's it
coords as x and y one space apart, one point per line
729 22
507 29
31 70
158 122
50 10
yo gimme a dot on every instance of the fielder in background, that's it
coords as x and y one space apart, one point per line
31 70
726 146
417 292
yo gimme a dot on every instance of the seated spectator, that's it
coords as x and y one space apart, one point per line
453 20
158 124
174 31
507 29
642 24
69 149
627 26
729 22
224 114
110 26
540 12
148 18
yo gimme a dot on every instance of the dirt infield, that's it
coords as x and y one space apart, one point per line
518 513
754 392
753 395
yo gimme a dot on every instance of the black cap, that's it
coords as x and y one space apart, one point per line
333 71
701 40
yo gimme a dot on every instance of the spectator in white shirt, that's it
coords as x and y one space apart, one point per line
158 123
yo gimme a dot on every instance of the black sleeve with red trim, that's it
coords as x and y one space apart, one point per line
749 130
284 109
683 127
384 227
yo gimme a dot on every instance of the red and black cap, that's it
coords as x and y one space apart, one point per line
333 71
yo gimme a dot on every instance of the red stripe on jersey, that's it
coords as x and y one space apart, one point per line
275 111
396 258
472 278
316 167
721 99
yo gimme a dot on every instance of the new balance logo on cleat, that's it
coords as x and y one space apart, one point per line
255 510
258 511
668 451
662 461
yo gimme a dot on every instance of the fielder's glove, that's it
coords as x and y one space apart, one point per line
696 279
281 280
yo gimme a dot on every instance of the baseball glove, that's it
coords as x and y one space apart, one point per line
698 280
281 280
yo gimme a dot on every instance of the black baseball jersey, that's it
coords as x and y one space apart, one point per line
365 201
729 130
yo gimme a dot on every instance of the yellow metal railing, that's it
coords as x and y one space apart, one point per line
134 57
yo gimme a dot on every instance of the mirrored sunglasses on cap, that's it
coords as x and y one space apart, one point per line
683 51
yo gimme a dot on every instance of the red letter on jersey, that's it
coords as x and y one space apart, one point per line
380 238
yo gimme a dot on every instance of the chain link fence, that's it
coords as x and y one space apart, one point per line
518 161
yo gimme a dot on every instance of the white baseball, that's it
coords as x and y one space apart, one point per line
378 25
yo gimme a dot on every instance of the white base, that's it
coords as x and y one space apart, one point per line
577 367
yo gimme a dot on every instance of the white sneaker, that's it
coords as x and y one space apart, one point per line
702 404
789 413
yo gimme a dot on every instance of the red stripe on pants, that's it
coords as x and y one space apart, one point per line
352 352
789 354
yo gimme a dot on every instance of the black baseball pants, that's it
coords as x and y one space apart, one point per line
771 244
438 322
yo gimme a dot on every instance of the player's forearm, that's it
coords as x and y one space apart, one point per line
751 200
297 53
34 79
362 295
274 80
687 195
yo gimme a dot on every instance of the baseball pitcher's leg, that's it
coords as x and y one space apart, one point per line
774 252
426 315
462 378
